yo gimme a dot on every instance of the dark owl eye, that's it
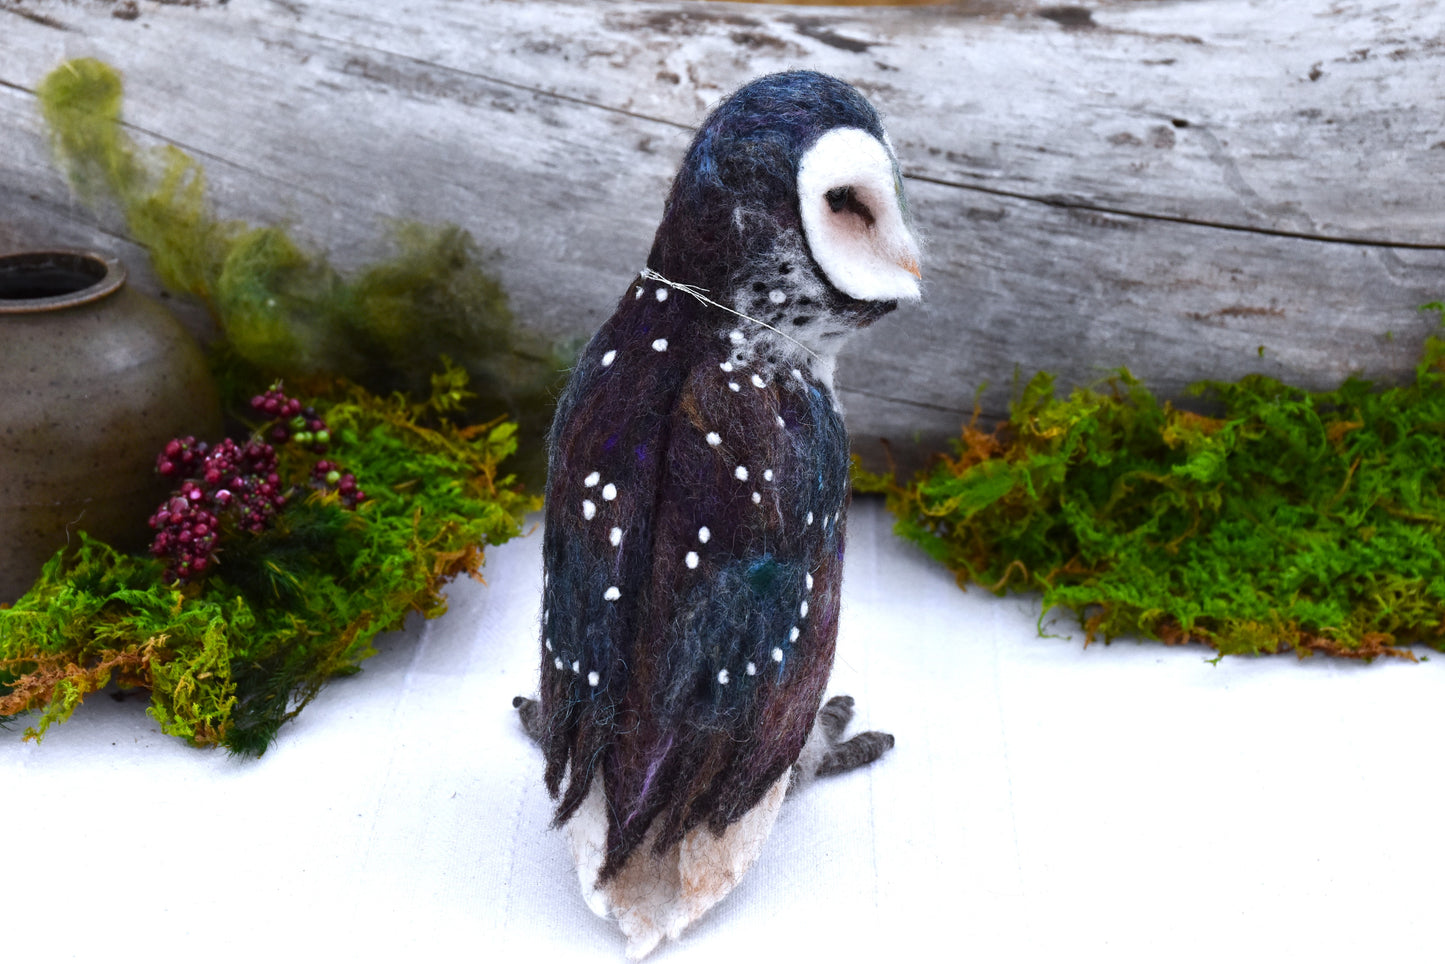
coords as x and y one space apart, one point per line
845 199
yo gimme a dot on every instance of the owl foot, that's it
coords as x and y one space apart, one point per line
828 754
530 713
844 755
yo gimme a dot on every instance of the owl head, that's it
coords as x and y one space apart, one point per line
792 161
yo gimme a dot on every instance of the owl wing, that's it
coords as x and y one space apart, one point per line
694 557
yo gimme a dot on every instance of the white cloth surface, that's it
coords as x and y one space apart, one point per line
1044 801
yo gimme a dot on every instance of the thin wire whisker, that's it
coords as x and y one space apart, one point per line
698 293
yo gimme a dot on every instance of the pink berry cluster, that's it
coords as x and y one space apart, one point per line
328 475
290 422
187 535
237 485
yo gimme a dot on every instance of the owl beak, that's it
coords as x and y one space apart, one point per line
910 264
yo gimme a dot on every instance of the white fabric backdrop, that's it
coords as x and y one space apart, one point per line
1044 800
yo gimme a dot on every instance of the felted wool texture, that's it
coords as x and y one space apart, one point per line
858 230
697 494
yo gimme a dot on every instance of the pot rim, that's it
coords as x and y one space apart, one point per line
107 284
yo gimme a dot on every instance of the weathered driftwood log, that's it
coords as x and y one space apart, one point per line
1191 189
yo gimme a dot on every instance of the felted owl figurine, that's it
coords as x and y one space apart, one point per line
695 506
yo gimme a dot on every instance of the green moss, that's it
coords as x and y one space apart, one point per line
1295 520
285 311
230 658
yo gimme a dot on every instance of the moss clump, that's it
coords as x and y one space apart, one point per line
285 311
1312 521
230 658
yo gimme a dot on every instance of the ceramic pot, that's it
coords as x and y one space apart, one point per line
95 378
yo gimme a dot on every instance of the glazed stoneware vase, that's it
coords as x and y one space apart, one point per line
95 378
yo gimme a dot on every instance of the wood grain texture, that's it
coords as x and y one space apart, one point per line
1191 189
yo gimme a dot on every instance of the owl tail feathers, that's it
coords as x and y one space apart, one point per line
656 896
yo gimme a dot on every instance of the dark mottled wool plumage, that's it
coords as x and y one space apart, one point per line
696 497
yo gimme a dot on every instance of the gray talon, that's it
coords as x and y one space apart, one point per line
834 717
530 713
862 750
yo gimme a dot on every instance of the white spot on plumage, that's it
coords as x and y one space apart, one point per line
758 381
752 669
660 345
612 594
777 654
609 492
736 337
558 662
592 479
593 679
808 580
781 423
797 374
704 534
691 560
722 677
615 536
726 366
741 472
607 358
576 666
793 634
777 297
734 386
638 294
803 608
714 438
589 509
757 498
547 643
661 294
767 475
808 521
